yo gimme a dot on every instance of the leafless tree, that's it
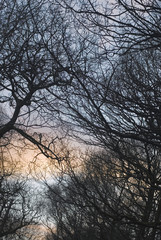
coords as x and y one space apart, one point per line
120 112
56 67
125 24
17 210
110 198
33 63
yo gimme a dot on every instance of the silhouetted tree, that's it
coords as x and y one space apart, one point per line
125 24
110 198
56 67
17 209
33 65
121 113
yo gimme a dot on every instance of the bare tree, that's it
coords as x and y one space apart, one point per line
120 112
124 24
33 63
17 210
56 67
109 198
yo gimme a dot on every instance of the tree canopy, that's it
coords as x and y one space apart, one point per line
91 68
